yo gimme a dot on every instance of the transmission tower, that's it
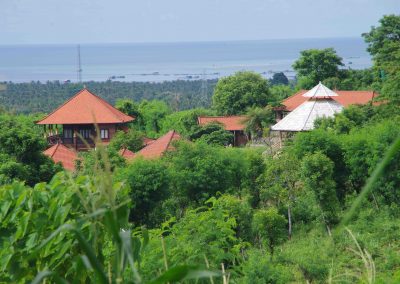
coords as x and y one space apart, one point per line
79 70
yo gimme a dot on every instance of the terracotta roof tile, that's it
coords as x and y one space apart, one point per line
127 154
148 141
62 154
230 123
85 108
158 147
345 98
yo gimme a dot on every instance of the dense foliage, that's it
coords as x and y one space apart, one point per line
306 213
44 97
234 94
315 65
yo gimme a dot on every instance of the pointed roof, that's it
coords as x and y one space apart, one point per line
62 154
158 147
345 98
304 116
230 123
320 91
85 108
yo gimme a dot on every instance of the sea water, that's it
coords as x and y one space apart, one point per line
157 62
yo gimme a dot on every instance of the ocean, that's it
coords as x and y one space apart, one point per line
157 62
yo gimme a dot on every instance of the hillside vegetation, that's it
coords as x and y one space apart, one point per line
323 209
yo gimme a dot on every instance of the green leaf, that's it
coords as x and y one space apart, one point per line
97 267
41 276
184 272
23 224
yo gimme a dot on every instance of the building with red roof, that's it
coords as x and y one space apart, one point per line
73 123
345 98
235 124
62 154
158 147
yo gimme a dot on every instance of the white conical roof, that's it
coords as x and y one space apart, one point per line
320 91
302 118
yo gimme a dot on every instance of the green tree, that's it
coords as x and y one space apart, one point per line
269 226
384 43
198 171
184 122
279 93
128 107
279 78
234 94
149 185
317 175
132 140
21 151
152 114
316 65
280 184
239 209
257 120
328 143
391 88
213 134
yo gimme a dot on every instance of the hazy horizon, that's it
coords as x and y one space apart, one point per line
176 21
179 42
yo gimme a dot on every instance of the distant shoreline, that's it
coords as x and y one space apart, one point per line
159 62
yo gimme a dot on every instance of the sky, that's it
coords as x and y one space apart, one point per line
119 21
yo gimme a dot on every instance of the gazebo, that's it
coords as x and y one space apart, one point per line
319 103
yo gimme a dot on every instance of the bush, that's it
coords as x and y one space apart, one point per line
149 185
259 269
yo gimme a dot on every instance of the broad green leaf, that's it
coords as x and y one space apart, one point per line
182 273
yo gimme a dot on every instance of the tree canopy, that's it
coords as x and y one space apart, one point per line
234 94
315 65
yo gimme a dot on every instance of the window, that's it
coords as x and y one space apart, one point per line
68 133
85 133
104 134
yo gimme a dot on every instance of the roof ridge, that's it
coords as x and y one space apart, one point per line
60 106
55 150
107 104
169 139
92 102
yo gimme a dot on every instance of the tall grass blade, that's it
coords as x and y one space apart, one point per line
376 174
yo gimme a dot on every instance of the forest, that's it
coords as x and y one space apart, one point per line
324 208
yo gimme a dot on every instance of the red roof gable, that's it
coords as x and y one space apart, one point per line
230 123
85 108
62 154
158 147
345 98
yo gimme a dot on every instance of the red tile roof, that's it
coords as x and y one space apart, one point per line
148 141
62 154
345 98
230 123
157 148
85 108
127 154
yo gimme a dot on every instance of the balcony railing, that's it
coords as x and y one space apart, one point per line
54 139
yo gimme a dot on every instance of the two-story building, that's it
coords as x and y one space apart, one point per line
83 118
